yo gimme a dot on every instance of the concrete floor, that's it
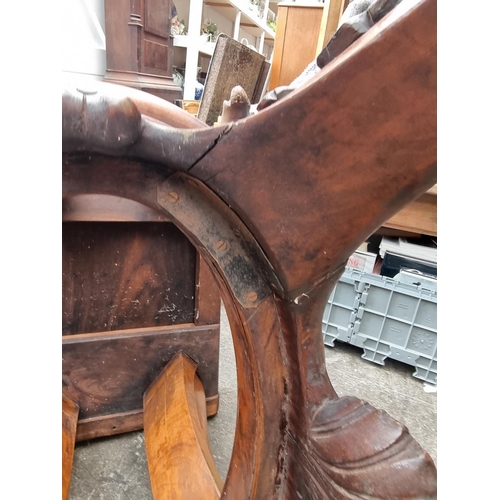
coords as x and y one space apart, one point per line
115 468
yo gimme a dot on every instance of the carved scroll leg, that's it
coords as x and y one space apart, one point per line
69 422
181 466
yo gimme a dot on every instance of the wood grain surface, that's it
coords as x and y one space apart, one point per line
367 125
126 275
69 424
108 372
128 270
276 203
181 466
419 217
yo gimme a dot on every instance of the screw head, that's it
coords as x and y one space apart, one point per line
172 197
252 296
220 246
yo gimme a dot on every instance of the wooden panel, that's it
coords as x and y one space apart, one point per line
279 43
121 37
69 423
156 55
139 49
418 217
301 28
157 17
126 275
107 373
181 466
207 295
129 421
301 38
109 425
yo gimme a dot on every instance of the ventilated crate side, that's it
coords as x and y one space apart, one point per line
399 321
341 310
387 319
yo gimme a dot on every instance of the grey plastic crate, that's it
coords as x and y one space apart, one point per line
340 312
387 317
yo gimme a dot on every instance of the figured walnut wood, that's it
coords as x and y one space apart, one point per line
207 295
108 372
374 131
181 466
69 424
121 276
132 276
276 203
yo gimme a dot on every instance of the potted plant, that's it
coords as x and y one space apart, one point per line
209 29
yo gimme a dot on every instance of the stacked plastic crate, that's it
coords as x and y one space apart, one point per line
387 317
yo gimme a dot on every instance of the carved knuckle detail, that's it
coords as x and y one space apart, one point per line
367 454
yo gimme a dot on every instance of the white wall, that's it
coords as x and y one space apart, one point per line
83 40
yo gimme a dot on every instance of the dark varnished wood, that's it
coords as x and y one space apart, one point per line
69 425
139 48
128 269
108 372
119 423
395 93
126 275
181 466
375 132
207 295
276 203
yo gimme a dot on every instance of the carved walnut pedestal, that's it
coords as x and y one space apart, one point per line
275 204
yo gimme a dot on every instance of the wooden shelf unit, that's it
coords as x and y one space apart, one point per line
245 23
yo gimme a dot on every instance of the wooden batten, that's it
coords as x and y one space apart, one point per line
207 295
106 208
108 372
181 466
419 217
69 425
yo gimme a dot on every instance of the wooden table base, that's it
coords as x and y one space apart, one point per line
275 204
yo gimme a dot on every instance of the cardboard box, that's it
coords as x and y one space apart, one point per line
364 261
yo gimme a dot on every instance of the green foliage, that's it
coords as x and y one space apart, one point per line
209 28
272 24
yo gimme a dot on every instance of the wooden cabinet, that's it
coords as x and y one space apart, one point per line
139 48
298 26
